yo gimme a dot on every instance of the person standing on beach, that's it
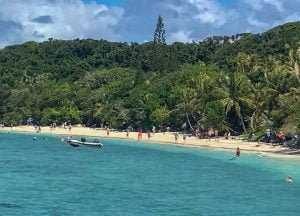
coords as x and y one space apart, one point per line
140 134
127 133
176 137
216 135
228 135
107 131
197 133
210 134
153 129
184 138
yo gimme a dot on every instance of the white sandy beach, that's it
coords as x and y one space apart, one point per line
164 138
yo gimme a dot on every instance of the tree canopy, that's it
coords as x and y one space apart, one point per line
238 83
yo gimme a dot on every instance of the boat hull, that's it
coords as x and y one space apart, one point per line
77 143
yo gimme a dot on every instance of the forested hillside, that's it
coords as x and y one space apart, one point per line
238 83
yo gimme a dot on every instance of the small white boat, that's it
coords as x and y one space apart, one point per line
77 143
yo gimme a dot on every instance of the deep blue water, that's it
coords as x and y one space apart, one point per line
49 177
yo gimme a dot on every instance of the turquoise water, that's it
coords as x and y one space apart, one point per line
49 177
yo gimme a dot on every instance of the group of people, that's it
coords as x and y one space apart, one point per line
176 136
211 133
270 137
65 125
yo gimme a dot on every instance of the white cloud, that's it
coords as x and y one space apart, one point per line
185 20
255 22
292 17
202 18
259 4
209 11
70 19
181 35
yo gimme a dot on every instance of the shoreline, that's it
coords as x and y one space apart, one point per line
163 138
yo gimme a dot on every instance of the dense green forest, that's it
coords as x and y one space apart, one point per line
244 82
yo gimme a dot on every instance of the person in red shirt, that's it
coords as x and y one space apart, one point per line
140 134
281 137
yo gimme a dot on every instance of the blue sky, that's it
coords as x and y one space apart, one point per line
106 2
134 20
119 2
228 2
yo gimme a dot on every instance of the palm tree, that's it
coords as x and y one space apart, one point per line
276 78
203 84
260 101
289 107
247 63
293 66
242 61
235 92
188 104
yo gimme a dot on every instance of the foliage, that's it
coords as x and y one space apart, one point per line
238 82
215 116
160 33
160 116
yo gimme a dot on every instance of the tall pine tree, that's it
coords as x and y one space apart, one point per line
159 58
160 34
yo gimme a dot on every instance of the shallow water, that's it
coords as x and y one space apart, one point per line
49 177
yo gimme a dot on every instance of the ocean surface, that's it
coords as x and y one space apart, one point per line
49 177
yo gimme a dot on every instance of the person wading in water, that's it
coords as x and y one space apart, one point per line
238 152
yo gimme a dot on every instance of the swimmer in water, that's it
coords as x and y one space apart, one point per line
289 179
238 152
